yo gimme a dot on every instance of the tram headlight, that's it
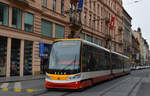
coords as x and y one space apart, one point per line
48 77
74 77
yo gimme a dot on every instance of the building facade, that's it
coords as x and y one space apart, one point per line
96 18
149 58
135 53
127 33
24 24
144 47
138 34
28 25
145 52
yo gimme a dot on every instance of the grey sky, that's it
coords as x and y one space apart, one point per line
140 12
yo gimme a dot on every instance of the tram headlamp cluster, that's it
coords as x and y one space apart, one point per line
74 77
48 77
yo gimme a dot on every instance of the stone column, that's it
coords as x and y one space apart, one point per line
22 20
33 59
53 30
10 17
8 57
21 58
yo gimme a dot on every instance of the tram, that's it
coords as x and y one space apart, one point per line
77 63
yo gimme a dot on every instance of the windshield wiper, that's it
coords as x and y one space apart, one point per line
73 62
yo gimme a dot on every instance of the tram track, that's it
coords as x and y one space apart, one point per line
44 92
106 91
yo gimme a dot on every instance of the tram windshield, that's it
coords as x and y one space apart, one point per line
65 57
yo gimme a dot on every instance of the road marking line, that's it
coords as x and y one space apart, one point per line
17 90
4 85
4 89
17 85
30 90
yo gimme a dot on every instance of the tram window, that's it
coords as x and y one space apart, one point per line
94 59
84 58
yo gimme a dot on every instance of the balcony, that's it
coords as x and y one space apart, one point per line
21 2
75 22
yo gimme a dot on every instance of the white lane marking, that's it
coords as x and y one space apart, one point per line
4 85
17 85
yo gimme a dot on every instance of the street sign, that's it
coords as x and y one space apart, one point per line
80 5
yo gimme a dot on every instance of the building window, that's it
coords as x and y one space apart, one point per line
89 38
90 3
3 14
46 29
101 42
15 57
28 22
45 3
94 22
28 47
98 9
16 18
90 20
81 35
98 24
85 18
59 31
62 6
94 5
95 40
3 55
54 5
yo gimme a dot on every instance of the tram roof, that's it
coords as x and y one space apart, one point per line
92 44
95 45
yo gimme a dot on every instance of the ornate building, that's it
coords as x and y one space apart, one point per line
26 25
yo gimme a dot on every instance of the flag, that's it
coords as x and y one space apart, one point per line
112 23
80 5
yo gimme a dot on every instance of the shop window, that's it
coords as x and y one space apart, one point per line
15 57
3 14
59 31
16 18
28 46
28 22
46 28
3 55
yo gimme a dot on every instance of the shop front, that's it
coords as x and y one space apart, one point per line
16 57
3 55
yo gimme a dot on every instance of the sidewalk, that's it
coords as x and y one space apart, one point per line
17 78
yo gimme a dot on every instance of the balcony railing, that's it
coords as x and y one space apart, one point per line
75 20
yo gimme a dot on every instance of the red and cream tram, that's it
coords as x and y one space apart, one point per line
77 63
